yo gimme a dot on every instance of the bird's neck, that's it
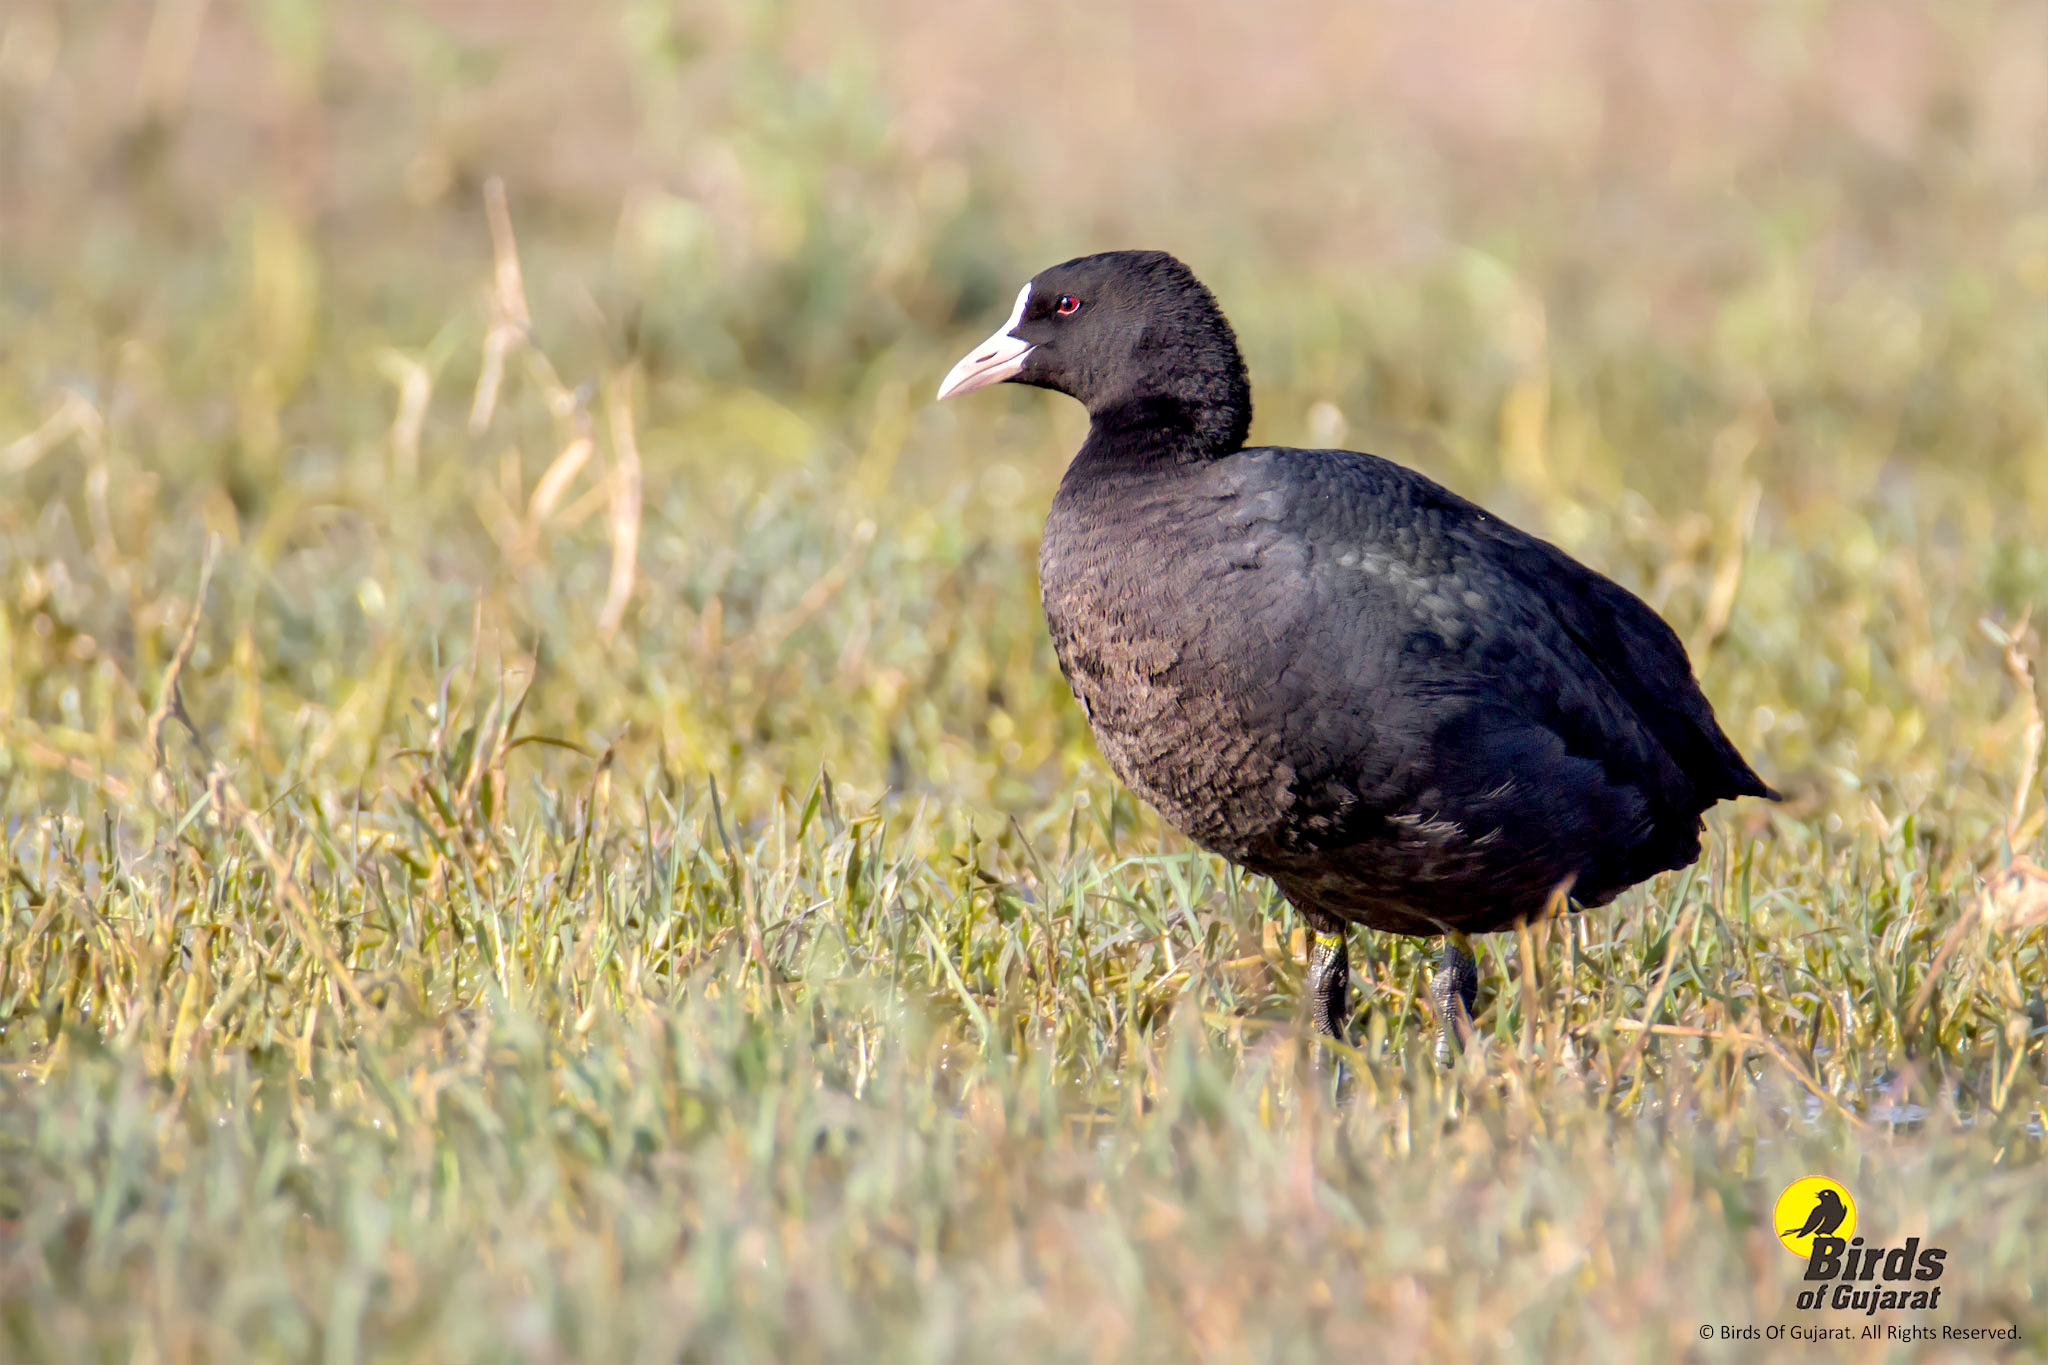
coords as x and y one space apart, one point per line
1166 429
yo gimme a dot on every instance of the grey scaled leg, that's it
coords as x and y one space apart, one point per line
1329 1000
1329 982
1455 992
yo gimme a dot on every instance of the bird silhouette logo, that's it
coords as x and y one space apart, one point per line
1828 1213
1813 1206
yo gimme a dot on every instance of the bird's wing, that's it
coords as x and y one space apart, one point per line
1416 649
1637 652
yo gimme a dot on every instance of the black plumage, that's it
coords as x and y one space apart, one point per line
1330 669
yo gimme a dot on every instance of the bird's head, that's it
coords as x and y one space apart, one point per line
1124 332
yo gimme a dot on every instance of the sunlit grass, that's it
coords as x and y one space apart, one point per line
538 819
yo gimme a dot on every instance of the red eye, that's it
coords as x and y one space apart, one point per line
1068 304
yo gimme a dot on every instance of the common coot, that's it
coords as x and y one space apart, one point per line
1332 670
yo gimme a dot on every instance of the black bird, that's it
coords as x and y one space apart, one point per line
1828 1213
1331 670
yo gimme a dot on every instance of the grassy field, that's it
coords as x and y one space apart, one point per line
538 821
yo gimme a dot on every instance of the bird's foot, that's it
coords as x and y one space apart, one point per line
1455 992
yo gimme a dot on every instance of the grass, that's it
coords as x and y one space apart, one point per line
538 820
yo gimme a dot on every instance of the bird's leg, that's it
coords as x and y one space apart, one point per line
1329 979
1456 992
1329 1001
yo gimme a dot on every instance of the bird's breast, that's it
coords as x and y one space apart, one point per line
1149 622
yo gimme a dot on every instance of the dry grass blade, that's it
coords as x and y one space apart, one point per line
74 416
511 320
48 756
1727 580
170 702
624 518
415 391
2021 668
1673 944
555 480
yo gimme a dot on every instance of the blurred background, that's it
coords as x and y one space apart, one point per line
1741 302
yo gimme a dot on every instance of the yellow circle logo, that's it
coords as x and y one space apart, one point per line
1813 1206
